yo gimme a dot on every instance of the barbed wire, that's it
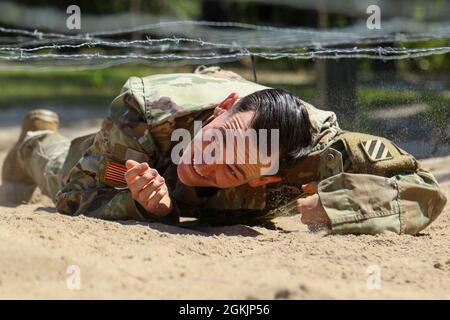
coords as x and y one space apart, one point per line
147 27
139 44
239 40
371 53
391 32
165 43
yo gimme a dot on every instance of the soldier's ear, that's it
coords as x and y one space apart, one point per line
262 181
219 111
226 104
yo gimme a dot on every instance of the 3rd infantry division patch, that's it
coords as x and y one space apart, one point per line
376 150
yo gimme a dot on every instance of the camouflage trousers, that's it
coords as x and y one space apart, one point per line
41 156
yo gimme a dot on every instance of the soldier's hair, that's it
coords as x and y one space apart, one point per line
279 109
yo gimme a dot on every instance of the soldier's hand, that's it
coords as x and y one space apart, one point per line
312 212
148 188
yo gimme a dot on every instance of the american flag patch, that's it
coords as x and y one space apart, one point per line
114 173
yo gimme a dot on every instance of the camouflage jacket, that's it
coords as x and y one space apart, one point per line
139 127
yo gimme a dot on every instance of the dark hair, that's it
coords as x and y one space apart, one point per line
279 109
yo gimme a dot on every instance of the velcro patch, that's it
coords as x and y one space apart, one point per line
137 156
114 173
376 150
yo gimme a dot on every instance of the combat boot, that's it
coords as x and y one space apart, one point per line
36 120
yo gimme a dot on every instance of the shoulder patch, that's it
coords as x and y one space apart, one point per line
376 150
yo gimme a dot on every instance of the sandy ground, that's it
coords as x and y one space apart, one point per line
39 247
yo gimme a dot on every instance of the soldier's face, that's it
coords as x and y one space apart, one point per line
222 163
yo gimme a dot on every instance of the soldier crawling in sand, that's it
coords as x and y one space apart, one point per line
343 181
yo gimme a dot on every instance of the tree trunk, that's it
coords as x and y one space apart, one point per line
336 80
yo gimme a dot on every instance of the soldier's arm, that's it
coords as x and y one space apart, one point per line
88 191
370 204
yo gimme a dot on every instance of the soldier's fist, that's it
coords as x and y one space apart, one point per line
312 212
148 188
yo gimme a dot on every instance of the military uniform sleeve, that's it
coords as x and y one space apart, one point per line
124 135
371 204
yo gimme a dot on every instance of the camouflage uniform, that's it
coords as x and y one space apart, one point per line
357 197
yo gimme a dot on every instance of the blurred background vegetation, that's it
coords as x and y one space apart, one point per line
406 100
